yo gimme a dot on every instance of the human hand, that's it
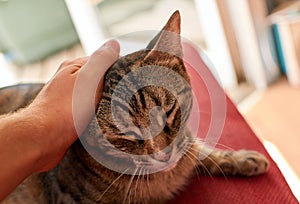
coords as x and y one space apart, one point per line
52 108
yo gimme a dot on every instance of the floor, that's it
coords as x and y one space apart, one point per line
275 117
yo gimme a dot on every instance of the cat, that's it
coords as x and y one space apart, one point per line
80 178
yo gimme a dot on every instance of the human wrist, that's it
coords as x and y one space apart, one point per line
30 134
44 131
54 134
18 149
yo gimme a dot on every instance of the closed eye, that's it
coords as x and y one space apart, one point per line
167 130
171 110
132 134
124 137
133 137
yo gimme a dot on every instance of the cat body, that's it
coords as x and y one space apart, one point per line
81 178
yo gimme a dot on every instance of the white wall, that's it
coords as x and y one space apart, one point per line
215 38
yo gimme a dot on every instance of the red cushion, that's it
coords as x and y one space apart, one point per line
270 187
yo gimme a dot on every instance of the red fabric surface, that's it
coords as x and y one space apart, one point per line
270 187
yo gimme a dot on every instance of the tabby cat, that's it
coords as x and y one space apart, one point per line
79 178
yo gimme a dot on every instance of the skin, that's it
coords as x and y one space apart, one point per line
36 138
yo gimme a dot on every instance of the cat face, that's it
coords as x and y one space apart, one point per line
146 100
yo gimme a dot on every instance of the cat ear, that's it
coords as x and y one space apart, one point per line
168 39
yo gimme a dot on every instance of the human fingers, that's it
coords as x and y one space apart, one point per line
89 83
76 63
103 57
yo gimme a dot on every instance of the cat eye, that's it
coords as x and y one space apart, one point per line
171 110
167 130
140 142
133 134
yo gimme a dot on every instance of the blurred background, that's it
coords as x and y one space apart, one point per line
254 46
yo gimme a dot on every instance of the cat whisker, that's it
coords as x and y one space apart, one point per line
208 157
142 184
218 144
127 193
226 146
112 184
130 191
136 184
205 169
197 166
232 159
188 144
190 158
215 163
148 184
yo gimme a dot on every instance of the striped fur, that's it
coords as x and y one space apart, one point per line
79 178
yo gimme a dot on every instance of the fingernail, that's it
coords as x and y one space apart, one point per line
112 45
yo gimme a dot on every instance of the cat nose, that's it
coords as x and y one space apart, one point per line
161 156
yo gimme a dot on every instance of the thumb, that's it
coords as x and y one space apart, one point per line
89 83
96 67
102 59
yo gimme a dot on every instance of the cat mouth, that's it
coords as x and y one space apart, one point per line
153 165
162 161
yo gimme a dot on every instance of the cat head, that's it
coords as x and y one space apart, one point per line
146 100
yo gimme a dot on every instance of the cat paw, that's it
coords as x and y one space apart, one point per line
250 163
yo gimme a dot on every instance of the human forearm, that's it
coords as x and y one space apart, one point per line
19 149
36 138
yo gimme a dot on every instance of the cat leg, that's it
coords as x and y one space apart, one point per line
230 163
